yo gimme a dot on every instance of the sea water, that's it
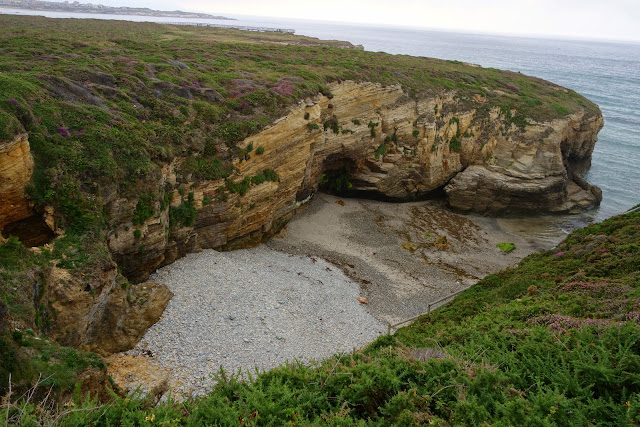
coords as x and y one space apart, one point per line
606 72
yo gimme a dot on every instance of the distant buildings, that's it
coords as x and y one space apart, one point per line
78 7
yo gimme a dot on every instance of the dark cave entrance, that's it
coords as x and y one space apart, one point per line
345 177
31 231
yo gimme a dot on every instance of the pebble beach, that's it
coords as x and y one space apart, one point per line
331 282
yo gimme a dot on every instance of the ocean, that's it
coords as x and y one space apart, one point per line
606 72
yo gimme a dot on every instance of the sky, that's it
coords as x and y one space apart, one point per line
594 19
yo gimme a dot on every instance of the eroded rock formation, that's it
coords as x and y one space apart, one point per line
382 142
16 168
390 146
101 313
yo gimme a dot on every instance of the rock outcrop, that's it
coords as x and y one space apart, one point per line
101 313
388 146
366 138
16 168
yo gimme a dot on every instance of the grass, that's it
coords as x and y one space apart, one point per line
553 341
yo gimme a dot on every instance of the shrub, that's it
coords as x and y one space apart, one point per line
306 116
144 209
372 126
137 233
332 124
271 175
416 132
209 168
312 126
260 151
239 187
381 150
455 144
184 215
258 179
506 247
356 122
335 181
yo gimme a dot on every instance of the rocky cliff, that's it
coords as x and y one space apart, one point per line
16 168
215 139
386 145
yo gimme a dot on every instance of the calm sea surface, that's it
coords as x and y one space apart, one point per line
608 73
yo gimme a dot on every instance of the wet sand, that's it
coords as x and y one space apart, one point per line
396 251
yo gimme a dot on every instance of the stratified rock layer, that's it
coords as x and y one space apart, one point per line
101 313
16 168
391 146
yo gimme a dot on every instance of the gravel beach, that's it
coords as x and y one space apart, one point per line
297 297
242 310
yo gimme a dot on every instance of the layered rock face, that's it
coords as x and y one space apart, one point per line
101 313
389 146
16 168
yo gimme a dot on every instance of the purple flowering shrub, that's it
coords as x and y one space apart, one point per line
560 323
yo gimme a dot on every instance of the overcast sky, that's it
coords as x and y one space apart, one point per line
600 19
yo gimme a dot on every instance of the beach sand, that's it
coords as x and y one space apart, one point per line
396 251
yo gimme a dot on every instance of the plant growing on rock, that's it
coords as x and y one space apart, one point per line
382 148
506 247
144 209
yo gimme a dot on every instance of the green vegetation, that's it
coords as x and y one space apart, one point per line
271 175
144 209
332 124
382 148
560 109
209 168
506 247
455 144
415 133
107 105
183 215
335 181
551 342
242 187
106 102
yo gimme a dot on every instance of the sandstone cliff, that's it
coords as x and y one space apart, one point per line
16 168
389 146
383 144
99 312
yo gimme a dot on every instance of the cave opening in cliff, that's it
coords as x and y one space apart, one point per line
31 231
349 178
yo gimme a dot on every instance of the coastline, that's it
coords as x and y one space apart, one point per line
273 289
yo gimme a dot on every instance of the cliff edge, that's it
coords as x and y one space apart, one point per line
137 143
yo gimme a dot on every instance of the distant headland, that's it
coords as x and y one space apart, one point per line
78 7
